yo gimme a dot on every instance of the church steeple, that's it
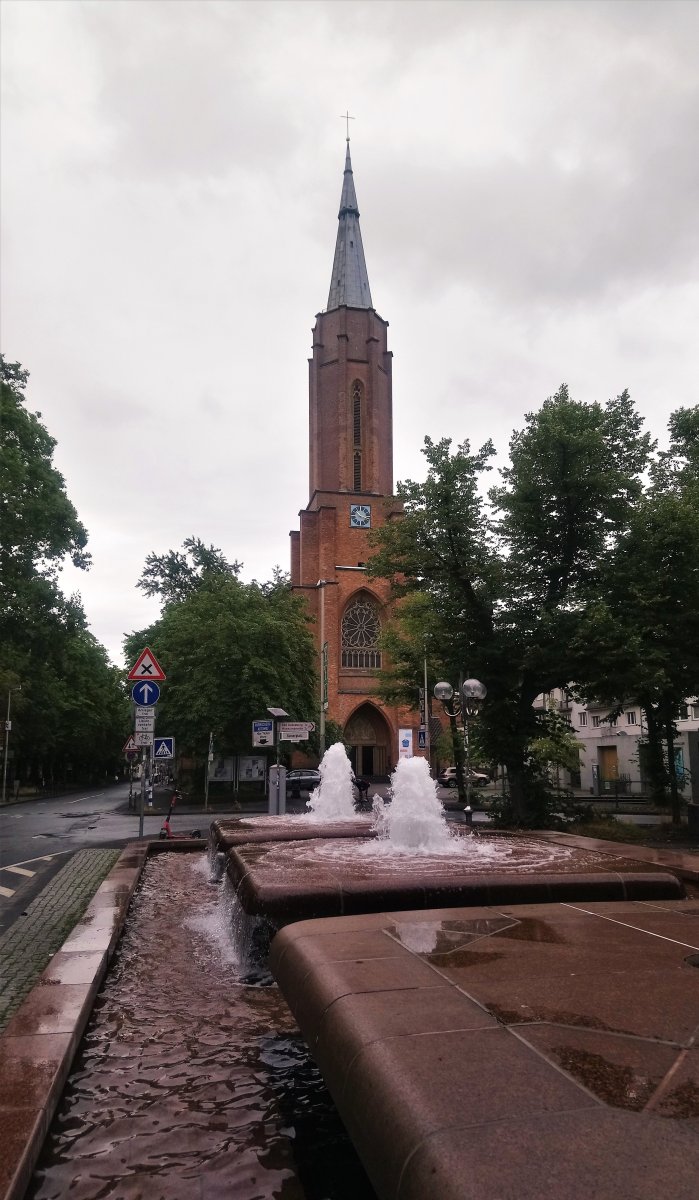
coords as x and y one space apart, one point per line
349 283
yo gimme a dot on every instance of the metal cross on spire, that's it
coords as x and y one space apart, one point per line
347 118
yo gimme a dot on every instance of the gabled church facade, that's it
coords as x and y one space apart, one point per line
350 492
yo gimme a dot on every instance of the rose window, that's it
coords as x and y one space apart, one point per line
360 635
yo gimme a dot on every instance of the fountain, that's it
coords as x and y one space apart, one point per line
220 1100
333 799
330 812
414 821
414 861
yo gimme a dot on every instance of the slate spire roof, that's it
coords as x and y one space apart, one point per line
349 283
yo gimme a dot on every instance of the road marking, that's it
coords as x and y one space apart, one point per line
40 858
21 869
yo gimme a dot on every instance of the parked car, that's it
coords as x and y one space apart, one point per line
447 778
302 779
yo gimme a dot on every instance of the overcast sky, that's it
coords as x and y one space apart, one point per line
527 175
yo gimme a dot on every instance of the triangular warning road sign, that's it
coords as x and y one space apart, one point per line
130 744
146 667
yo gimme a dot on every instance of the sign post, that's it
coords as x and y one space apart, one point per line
209 759
146 674
294 731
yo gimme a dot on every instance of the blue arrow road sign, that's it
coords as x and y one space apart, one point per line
145 693
164 748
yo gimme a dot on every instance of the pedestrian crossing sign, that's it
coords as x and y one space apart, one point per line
164 747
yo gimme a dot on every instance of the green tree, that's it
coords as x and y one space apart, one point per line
508 581
180 573
639 642
230 650
69 716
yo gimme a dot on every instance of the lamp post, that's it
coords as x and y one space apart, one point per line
8 727
467 705
279 805
428 739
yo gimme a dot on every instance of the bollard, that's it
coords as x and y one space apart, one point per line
468 815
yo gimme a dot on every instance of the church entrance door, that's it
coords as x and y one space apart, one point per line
368 737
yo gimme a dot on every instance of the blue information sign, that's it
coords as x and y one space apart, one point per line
145 693
164 748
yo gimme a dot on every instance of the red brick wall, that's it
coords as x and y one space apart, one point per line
348 344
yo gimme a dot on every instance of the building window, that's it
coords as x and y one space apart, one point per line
357 472
597 721
631 717
684 712
357 412
361 628
582 718
695 712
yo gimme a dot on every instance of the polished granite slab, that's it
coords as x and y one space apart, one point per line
524 1051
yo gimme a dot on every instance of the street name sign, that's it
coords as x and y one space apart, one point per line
143 737
145 693
146 667
295 731
130 744
263 733
164 747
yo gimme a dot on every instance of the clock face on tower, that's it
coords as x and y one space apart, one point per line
360 516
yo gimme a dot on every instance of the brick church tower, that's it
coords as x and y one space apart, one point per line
350 492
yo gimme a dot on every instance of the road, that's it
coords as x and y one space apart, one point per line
38 836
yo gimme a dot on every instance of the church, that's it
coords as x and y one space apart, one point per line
350 492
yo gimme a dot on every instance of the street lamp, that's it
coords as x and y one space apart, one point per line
8 727
466 705
277 807
323 649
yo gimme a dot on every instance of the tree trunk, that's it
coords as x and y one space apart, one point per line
654 756
672 771
457 742
517 789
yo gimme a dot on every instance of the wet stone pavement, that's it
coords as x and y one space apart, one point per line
29 943
191 1082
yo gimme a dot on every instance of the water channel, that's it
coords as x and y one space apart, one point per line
192 1080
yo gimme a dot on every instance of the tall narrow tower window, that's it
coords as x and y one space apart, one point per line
357 411
357 434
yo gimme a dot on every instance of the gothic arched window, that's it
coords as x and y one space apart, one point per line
361 627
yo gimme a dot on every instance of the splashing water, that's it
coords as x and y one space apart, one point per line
333 799
414 821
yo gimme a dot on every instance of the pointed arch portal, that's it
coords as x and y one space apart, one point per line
368 739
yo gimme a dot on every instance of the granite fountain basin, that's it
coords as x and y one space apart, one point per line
323 877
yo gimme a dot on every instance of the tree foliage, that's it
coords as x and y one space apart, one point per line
69 716
639 639
505 582
177 575
230 650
